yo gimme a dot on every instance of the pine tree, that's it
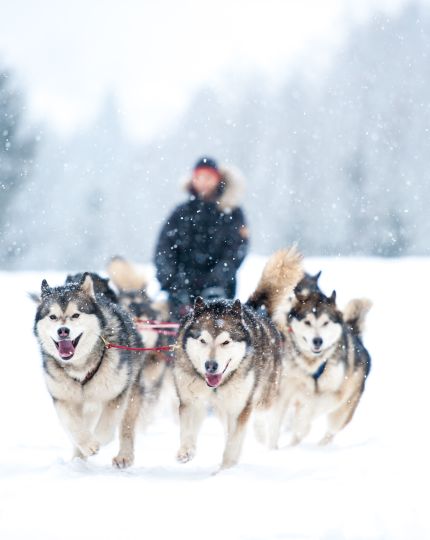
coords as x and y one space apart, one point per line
16 151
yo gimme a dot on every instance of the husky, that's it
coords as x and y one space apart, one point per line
325 365
229 356
133 296
132 286
95 389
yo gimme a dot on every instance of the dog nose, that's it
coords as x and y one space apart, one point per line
317 341
63 332
211 366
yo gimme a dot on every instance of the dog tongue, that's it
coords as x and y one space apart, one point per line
213 380
65 348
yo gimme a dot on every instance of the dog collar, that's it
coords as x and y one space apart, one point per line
93 371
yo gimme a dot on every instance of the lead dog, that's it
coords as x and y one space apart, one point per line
95 390
325 364
230 357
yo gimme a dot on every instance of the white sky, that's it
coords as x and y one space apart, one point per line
68 54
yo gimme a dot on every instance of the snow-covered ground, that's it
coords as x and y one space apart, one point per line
371 483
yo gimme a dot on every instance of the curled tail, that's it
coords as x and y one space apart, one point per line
281 274
125 276
355 313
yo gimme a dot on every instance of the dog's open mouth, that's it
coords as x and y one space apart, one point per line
214 379
66 347
317 351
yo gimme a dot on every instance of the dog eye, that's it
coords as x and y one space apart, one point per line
53 317
325 324
75 315
202 341
225 342
307 323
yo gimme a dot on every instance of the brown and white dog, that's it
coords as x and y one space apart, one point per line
229 357
325 364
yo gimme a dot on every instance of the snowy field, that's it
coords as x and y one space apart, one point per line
371 483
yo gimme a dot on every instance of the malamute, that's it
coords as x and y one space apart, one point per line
230 357
95 389
325 364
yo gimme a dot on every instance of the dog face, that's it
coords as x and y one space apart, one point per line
68 321
138 304
315 322
308 284
215 339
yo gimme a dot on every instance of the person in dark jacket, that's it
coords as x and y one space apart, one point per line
204 241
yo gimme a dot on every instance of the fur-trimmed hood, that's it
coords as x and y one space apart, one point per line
233 186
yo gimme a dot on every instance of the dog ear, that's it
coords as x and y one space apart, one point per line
332 299
199 305
316 277
87 285
45 288
236 308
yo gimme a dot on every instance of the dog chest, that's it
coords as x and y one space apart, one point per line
107 384
234 394
64 389
332 378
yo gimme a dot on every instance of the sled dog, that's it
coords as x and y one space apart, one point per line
229 356
325 365
133 296
95 390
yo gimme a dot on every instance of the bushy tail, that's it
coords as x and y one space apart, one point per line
281 274
125 276
355 313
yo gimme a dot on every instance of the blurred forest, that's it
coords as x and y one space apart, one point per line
337 163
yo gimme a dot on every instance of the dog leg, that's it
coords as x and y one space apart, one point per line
152 379
260 428
109 419
191 416
339 418
277 416
77 425
301 421
235 436
127 429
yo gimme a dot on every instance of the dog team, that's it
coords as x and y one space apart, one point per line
288 351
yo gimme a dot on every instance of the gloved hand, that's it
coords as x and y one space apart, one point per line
213 293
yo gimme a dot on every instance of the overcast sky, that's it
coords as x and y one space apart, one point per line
154 54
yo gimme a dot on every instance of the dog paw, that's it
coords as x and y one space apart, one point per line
326 439
77 454
227 464
183 456
122 461
295 441
89 448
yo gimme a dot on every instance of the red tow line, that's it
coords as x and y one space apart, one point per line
110 345
157 326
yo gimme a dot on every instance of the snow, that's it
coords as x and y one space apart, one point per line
371 483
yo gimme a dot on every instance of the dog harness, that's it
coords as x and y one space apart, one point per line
319 371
